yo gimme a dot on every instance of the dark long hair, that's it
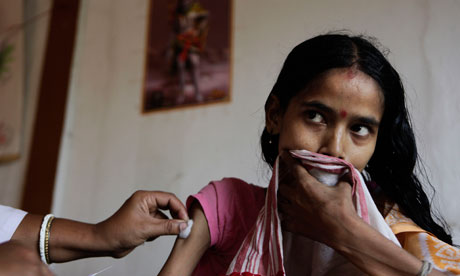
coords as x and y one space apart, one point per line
392 165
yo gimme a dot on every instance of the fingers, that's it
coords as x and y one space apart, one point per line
344 187
162 225
286 200
166 201
167 227
347 178
291 170
287 165
286 194
286 158
289 216
283 206
160 215
288 172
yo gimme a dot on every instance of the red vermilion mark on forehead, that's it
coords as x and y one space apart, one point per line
352 72
343 113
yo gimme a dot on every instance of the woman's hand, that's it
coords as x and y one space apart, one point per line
327 214
309 207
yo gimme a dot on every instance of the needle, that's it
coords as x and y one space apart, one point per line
94 274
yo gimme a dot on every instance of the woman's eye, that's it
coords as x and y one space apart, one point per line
360 130
315 117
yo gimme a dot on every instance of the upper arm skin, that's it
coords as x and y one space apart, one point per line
186 253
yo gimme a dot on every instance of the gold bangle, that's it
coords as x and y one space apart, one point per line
47 239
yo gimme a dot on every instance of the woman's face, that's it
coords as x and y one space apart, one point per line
338 115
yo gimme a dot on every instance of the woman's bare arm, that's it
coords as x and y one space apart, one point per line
186 253
373 253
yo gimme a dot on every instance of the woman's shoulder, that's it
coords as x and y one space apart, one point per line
398 222
233 184
230 192
231 206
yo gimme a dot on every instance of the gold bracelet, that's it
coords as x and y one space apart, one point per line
42 234
47 239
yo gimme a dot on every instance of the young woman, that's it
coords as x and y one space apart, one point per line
336 95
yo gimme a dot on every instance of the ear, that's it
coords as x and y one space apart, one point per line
273 115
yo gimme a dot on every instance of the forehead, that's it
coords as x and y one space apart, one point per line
345 89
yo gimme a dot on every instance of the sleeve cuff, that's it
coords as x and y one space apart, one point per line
10 218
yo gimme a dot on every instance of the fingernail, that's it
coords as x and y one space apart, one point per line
186 217
182 225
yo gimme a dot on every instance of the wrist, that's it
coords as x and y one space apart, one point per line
344 231
108 241
103 242
70 240
366 248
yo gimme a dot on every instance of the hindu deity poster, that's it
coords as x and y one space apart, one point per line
188 53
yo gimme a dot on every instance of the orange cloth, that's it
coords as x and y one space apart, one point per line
422 244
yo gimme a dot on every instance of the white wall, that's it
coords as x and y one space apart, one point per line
110 150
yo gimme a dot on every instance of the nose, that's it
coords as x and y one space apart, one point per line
333 144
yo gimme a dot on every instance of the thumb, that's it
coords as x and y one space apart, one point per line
168 227
344 187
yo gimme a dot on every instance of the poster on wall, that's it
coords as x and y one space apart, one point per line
188 54
11 79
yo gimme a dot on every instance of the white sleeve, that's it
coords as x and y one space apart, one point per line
10 219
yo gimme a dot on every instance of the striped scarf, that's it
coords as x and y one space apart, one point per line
261 253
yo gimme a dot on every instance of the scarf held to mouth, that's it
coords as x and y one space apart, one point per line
267 250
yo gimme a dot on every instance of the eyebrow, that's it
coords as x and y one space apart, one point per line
318 105
368 121
371 121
